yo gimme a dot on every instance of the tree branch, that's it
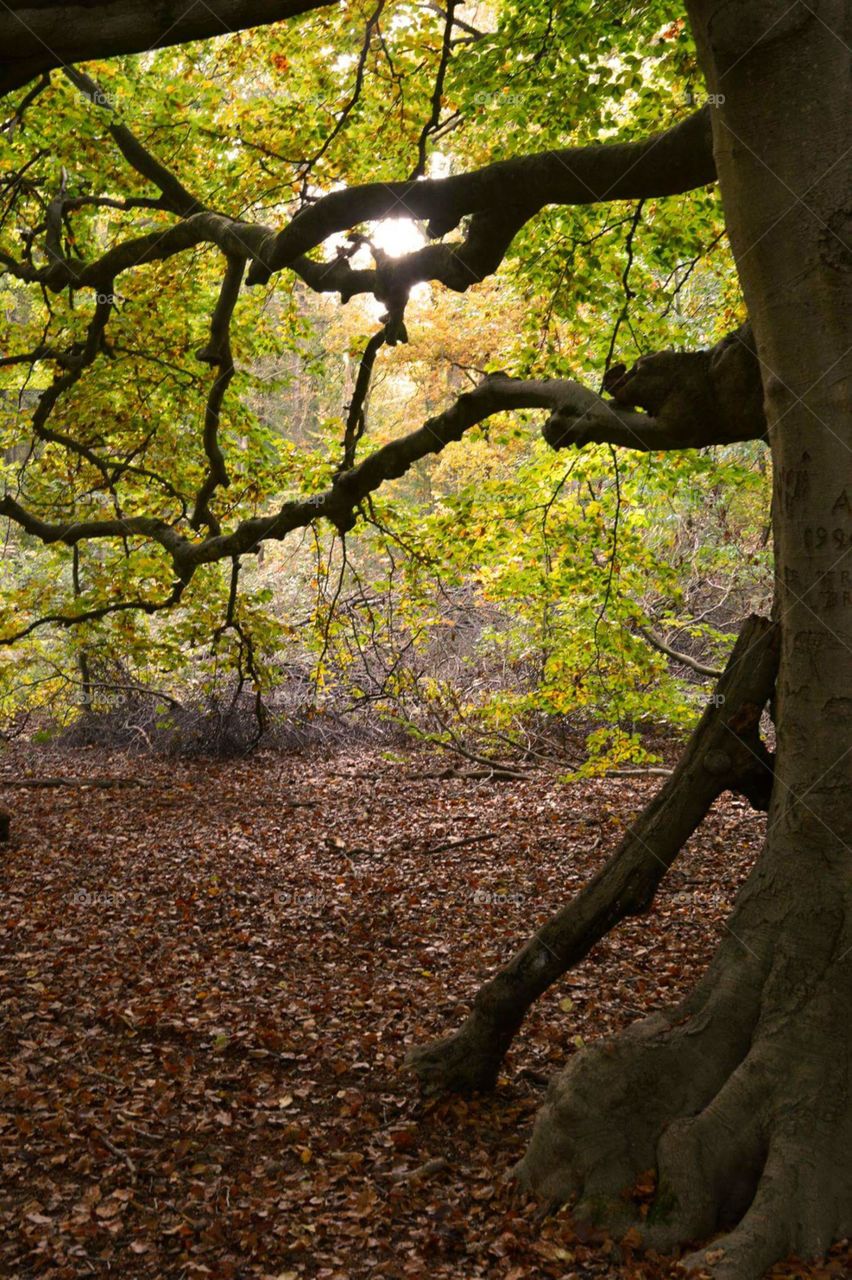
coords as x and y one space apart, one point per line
217 352
676 160
432 124
683 659
668 163
356 413
174 194
9 126
724 753
692 399
100 611
74 531
36 35
672 161
577 416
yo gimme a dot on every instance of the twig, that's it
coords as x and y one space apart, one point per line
433 122
638 773
422 1171
458 844
116 1151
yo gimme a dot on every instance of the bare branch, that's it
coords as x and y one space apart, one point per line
683 659
356 414
9 126
457 22
371 27
432 124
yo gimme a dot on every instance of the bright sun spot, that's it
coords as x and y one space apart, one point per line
393 236
397 236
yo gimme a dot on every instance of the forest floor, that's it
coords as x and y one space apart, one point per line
209 980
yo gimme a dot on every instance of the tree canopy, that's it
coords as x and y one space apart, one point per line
177 227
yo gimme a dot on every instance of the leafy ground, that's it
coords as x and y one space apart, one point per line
209 982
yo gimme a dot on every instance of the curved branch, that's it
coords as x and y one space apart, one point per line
71 532
16 118
433 123
231 236
100 611
217 352
356 420
495 393
577 416
692 399
724 752
500 198
683 659
668 163
174 194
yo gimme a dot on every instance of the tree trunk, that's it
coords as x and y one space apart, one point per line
740 1097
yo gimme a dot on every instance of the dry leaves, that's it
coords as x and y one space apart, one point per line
209 984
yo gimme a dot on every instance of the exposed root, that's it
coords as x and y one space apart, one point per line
739 1099
599 1126
468 1061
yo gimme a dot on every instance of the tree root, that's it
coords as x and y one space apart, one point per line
739 1098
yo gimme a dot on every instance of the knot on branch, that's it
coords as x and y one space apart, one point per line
718 763
716 392
212 353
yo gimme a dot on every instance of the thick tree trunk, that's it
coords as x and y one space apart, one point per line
740 1097
724 753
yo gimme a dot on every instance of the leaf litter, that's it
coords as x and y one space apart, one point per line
209 983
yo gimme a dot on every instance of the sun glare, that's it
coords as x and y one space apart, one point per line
397 236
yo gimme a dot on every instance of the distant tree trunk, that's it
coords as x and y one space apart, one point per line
740 1097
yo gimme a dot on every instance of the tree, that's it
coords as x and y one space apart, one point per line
739 1097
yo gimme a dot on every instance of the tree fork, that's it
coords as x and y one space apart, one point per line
724 753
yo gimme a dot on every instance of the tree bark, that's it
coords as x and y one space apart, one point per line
36 37
723 753
739 1098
